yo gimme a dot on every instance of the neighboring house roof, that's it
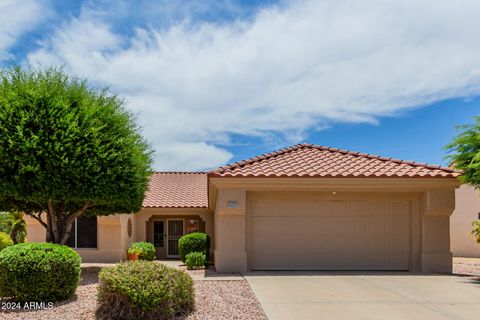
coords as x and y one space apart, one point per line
308 160
177 190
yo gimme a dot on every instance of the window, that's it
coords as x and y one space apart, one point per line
84 233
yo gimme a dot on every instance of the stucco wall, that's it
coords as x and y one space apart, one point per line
113 238
466 211
110 242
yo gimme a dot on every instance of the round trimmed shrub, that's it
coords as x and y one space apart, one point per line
42 272
195 260
5 240
147 250
193 242
144 290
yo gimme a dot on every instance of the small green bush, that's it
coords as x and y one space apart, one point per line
18 233
147 250
476 231
195 260
42 272
193 242
5 240
144 290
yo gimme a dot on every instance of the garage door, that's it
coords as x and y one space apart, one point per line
314 234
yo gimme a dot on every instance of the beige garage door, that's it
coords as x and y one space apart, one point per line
314 234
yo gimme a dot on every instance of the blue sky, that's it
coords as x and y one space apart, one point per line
219 81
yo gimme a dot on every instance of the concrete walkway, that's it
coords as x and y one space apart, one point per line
314 295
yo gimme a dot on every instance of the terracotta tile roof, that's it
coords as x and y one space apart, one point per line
307 160
177 190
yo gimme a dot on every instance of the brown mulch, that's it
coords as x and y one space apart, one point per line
213 299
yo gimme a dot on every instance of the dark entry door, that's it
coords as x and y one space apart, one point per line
159 238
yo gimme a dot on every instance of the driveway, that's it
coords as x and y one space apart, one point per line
315 295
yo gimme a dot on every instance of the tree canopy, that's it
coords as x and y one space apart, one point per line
465 152
67 149
465 156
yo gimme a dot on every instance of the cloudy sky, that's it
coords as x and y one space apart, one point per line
217 81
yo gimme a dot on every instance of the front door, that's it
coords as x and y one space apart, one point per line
175 230
159 238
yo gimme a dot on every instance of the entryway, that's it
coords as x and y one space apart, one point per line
165 232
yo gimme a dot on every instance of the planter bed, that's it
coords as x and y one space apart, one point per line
214 300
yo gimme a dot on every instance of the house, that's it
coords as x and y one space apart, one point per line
306 207
467 210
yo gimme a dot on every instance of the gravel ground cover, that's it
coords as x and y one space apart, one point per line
214 300
466 266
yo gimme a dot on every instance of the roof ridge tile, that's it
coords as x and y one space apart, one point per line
317 162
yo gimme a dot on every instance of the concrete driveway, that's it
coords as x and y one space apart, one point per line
314 295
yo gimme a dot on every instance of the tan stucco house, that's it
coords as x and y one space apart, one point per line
306 207
467 210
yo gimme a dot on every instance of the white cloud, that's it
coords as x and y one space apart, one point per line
15 20
292 68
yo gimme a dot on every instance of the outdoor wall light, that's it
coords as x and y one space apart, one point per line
232 204
334 192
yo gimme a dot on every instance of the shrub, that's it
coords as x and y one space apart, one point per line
5 222
5 240
18 232
147 250
193 242
195 260
144 290
476 231
39 272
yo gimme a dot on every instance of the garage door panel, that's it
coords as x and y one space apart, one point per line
359 209
319 225
377 209
338 209
397 210
359 245
320 208
269 208
337 243
320 243
337 225
397 226
329 235
357 226
377 226
280 225
397 244
377 244
398 260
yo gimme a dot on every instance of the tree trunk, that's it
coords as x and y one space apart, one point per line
58 229
60 222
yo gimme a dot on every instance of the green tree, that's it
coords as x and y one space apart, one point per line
18 231
67 149
12 223
5 222
465 155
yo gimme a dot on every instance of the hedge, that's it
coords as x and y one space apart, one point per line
39 272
